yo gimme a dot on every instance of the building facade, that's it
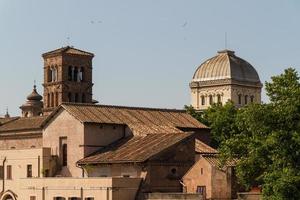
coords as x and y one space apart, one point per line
222 78
69 148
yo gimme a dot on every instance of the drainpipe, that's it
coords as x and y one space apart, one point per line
3 170
184 186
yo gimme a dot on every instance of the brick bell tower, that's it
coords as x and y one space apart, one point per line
67 77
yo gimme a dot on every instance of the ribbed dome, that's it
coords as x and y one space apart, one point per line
34 96
226 65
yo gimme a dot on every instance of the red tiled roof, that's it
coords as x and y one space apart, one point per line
203 148
132 116
6 120
68 49
214 160
23 123
135 149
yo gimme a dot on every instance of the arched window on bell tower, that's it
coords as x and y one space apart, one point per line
69 97
81 74
246 99
83 98
202 100
75 77
240 99
70 73
76 98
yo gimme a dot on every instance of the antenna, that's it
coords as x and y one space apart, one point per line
68 41
225 40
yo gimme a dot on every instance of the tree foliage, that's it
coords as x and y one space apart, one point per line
264 137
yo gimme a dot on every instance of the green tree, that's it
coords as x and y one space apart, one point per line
267 140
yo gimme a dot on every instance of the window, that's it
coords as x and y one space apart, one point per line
210 99
49 74
29 171
56 99
201 171
73 198
174 171
76 97
52 99
32 197
202 100
1 172
8 172
252 99
240 99
246 99
83 98
69 97
59 198
81 74
75 75
219 98
89 198
70 73
48 100
64 154
201 190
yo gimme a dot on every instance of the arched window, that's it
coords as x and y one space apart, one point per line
65 154
219 98
202 100
52 99
49 74
56 99
252 99
76 97
246 99
70 73
75 78
211 100
240 99
81 74
48 100
83 98
69 97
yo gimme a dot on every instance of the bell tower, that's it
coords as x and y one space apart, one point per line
67 77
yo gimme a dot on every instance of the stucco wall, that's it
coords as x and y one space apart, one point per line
21 143
18 160
65 125
99 188
194 178
99 135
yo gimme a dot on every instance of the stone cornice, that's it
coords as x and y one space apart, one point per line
222 82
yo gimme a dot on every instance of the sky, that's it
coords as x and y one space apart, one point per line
146 51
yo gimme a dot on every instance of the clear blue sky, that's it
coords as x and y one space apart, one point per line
146 51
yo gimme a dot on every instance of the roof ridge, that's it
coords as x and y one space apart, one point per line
126 107
63 49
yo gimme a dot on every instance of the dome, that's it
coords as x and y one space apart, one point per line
34 96
226 65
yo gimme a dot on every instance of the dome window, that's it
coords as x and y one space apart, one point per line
246 99
219 98
240 99
202 100
211 101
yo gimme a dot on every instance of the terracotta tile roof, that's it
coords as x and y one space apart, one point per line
215 161
141 129
168 119
135 149
6 120
23 123
68 49
203 148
